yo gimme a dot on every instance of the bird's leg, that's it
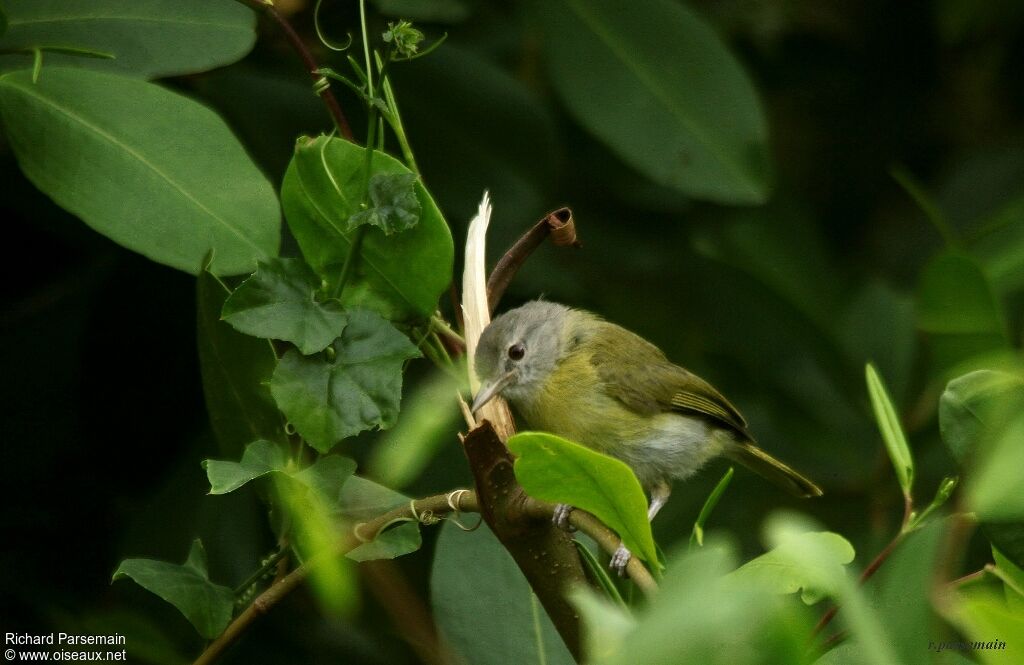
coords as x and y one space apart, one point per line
659 497
561 517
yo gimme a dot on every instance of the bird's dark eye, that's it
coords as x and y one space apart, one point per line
516 351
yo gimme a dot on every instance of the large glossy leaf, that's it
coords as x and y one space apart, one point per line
146 167
284 300
149 38
554 469
400 276
654 82
484 606
187 586
236 373
328 399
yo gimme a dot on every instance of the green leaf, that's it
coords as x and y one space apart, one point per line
236 372
695 608
655 83
606 624
395 206
985 616
259 459
484 606
697 535
390 544
151 38
900 593
425 429
313 532
975 407
363 499
281 300
400 276
359 389
993 491
325 477
958 309
554 469
206 605
892 432
780 571
1013 579
165 176
973 412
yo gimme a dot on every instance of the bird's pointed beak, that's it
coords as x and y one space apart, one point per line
492 388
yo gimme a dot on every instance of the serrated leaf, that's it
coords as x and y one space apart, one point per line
655 83
206 605
326 476
282 300
394 204
781 570
554 469
165 176
359 389
236 372
151 39
891 429
399 276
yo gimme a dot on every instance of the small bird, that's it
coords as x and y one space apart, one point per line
569 372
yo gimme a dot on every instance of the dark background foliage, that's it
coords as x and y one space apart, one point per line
779 305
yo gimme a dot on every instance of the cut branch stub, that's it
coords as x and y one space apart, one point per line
544 553
559 224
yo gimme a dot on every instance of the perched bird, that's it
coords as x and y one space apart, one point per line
571 373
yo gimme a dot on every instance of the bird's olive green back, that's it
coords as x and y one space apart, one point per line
638 374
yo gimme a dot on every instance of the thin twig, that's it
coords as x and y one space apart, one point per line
436 505
605 538
441 504
333 107
559 224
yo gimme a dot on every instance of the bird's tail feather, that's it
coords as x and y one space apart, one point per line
767 466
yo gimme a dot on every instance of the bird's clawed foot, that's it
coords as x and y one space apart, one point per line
561 517
619 560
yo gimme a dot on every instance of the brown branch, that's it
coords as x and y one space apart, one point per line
544 553
436 505
326 94
605 538
559 224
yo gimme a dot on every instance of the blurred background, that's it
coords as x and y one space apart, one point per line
895 134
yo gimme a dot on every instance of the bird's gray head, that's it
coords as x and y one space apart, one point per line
518 351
